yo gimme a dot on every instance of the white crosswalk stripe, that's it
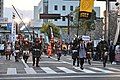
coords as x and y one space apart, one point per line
66 70
84 70
115 69
30 71
48 70
103 70
11 71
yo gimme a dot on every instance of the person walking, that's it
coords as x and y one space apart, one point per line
17 51
26 50
103 46
82 53
36 52
58 50
89 49
8 50
49 50
111 52
75 54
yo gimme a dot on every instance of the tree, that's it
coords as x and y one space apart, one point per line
84 25
46 29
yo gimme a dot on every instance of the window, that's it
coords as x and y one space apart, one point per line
63 18
55 7
71 8
63 7
55 19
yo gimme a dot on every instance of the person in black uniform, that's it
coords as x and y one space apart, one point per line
75 54
17 51
36 52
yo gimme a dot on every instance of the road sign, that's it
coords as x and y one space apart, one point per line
49 16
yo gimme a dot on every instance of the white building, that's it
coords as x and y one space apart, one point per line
62 7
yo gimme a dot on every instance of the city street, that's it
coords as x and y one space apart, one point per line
51 69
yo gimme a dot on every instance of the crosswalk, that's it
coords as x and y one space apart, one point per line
57 70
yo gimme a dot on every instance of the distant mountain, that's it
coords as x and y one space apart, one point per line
8 12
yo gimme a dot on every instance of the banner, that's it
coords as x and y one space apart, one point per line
86 5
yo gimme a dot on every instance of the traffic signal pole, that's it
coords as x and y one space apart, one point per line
107 21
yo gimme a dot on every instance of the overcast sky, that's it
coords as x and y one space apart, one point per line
21 4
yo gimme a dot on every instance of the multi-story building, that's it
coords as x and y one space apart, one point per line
1 8
4 25
62 7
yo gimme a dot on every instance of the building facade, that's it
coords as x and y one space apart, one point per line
1 8
62 7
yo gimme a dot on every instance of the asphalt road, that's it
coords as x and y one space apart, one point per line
51 69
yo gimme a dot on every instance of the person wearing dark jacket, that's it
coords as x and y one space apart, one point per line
36 52
75 54
89 50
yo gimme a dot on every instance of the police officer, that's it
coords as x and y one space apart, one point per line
36 52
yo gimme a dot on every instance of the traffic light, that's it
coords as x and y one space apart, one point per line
105 0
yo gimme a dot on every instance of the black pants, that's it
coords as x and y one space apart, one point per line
74 61
37 61
81 62
8 56
25 58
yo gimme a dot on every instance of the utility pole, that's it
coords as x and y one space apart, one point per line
107 21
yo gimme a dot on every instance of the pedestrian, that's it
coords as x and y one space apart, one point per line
8 50
75 53
111 52
103 46
89 49
36 52
49 50
58 50
26 50
17 51
82 53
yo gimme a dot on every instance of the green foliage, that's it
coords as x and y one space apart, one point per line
84 24
46 29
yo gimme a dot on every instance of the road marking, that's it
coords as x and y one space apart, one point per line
98 69
66 70
24 63
113 69
48 62
11 71
59 77
61 61
48 70
30 71
84 70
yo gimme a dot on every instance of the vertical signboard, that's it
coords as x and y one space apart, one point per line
86 7
13 31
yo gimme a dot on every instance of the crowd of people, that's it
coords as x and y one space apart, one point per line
79 50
